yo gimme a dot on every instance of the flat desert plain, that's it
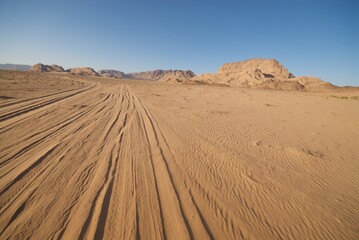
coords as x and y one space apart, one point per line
99 158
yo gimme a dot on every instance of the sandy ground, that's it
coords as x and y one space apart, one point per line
98 158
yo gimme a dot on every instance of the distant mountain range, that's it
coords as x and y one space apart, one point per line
18 67
113 74
82 71
46 68
251 73
164 75
156 75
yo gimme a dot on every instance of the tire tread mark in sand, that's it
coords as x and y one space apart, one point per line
135 196
155 181
105 205
204 223
22 119
31 108
37 133
157 143
94 204
16 214
25 187
64 123
104 212
106 202
203 219
91 110
35 143
67 212
35 98
109 176
172 183
27 170
111 127
206 195
37 106
48 129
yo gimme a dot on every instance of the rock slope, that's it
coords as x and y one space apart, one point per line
83 71
164 75
46 68
262 73
113 74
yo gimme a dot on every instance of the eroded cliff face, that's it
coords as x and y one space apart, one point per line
262 73
83 71
164 75
113 74
261 68
46 68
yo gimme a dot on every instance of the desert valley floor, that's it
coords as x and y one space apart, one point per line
103 158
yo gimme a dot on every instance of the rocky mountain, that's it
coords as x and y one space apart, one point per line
156 75
164 75
252 73
18 67
256 68
261 73
113 74
177 76
46 68
83 71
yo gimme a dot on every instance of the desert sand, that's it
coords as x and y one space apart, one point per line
100 158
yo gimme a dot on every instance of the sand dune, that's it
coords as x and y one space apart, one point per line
90 157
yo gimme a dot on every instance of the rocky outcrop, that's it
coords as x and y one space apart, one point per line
113 74
83 71
46 68
313 84
177 76
164 75
156 75
257 68
262 73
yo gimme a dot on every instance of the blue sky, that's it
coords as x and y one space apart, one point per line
315 38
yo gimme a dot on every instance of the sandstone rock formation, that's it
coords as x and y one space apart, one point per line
261 73
164 75
113 74
46 68
257 68
83 71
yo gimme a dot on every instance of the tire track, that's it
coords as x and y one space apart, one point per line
101 163
28 111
